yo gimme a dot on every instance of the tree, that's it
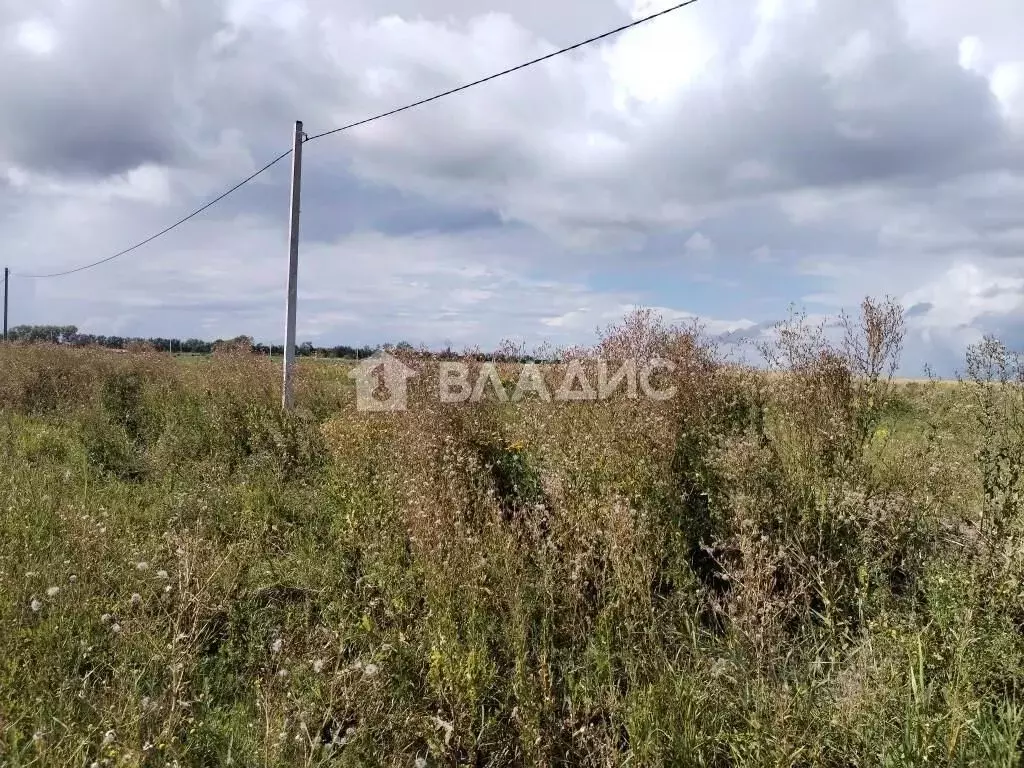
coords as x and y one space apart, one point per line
53 334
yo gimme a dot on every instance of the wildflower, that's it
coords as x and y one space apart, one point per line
136 598
105 618
35 605
161 574
142 566
52 591
318 666
275 646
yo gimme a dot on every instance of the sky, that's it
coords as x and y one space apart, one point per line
728 161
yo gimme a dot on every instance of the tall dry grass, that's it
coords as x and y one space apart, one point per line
804 566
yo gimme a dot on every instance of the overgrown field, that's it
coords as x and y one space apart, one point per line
810 567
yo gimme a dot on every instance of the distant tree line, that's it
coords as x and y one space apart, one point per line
70 336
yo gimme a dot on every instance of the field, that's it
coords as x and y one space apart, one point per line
815 566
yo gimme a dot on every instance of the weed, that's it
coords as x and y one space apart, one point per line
806 565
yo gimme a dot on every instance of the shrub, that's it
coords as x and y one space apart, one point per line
798 566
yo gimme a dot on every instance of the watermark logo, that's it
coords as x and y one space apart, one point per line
461 382
380 372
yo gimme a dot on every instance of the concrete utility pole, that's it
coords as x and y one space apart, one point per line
287 397
7 276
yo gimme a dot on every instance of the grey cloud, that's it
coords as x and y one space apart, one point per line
129 84
887 172
104 100
922 117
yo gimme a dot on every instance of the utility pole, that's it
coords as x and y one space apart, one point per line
7 277
293 270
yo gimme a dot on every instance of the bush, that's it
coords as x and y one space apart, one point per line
801 566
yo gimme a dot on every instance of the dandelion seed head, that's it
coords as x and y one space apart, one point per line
167 589
116 629
161 574
52 591
276 645
318 666
72 578
108 737
420 762
136 598
371 670
142 565
35 605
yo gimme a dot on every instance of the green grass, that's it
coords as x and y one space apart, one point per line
801 570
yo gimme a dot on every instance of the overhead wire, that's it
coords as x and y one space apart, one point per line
381 116
163 231
510 70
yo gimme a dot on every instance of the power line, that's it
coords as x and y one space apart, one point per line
508 71
381 116
164 231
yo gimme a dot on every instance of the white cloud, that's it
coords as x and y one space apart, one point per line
699 246
966 293
37 36
835 149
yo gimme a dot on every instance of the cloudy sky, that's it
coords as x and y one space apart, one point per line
725 161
